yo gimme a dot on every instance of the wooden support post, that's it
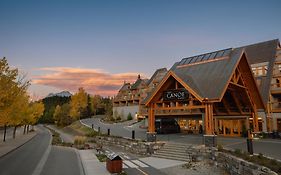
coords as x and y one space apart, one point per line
255 122
151 117
209 123
151 134
269 118
216 126
210 138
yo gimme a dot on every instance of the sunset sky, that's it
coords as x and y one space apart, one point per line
66 44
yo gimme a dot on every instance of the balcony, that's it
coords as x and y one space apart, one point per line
276 88
144 111
276 106
127 98
177 112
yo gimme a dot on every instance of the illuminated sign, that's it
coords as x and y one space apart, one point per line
175 95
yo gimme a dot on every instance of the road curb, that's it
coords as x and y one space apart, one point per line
19 145
81 165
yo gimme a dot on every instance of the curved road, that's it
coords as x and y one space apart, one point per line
33 159
116 129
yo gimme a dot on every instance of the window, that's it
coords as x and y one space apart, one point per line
254 70
260 71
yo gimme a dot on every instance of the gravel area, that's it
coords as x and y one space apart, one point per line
195 168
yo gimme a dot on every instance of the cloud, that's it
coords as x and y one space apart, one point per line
94 81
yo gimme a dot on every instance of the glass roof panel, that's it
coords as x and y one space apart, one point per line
213 55
187 60
219 54
200 57
193 60
226 52
206 57
182 61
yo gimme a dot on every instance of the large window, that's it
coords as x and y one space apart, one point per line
260 71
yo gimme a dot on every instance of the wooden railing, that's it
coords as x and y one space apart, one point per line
275 85
127 98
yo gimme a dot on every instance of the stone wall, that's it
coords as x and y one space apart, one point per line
123 111
133 146
195 153
237 166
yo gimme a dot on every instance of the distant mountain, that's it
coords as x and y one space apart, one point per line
60 94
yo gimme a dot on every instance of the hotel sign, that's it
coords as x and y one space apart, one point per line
175 95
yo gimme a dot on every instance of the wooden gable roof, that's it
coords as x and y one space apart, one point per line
260 53
208 76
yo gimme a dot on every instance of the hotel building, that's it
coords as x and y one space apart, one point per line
226 92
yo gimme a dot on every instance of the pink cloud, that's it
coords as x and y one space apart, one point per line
95 81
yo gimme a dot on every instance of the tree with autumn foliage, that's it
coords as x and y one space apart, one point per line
78 104
36 111
61 115
15 109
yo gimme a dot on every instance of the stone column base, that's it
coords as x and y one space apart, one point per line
210 140
151 136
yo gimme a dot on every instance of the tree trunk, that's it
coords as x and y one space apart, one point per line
14 132
5 130
24 129
27 129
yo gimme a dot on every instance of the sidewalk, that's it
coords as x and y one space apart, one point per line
64 136
90 162
12 144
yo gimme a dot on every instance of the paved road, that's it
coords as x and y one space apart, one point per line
38 157
268 147
117 129
62 160
24 160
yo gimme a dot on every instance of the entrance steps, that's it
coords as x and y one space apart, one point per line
174 151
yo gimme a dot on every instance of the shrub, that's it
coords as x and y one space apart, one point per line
92 134
101 157
220 148
118 118
129 117
238 152
79 140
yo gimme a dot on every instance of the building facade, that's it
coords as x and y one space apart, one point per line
232 106
129 97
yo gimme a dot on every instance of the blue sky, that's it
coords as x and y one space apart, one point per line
124 37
